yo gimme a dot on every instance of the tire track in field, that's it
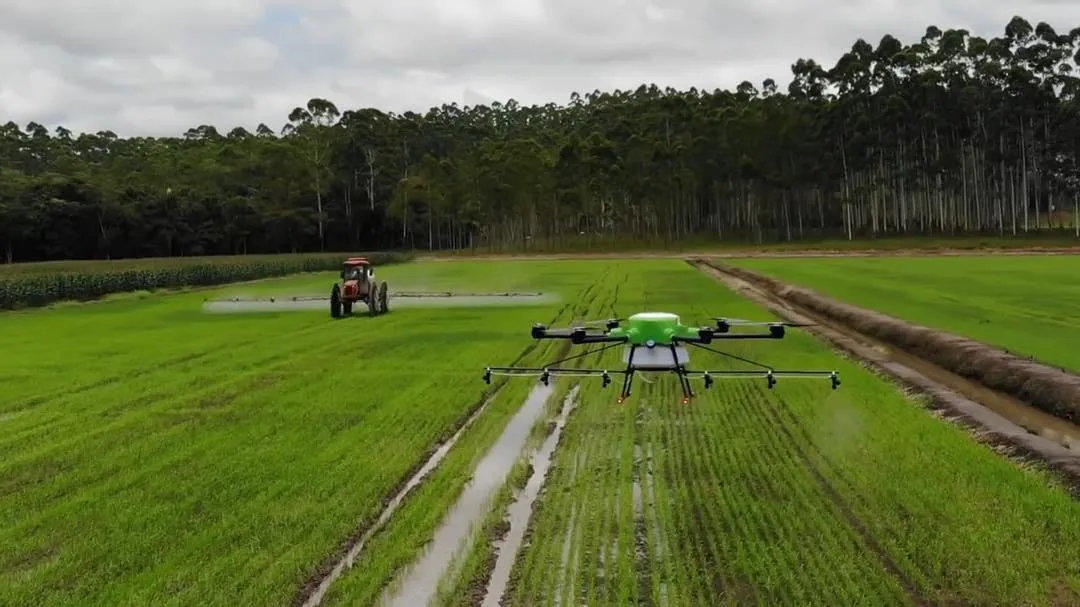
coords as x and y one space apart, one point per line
165 395
568 568
606 578
642 560
653 577
168 395
167 398
550 568
574 538
155 366
511 545
776 477
315 595
558 570
63 456
784 415
681 475
314 589
766 471
704 428
841 504
734 468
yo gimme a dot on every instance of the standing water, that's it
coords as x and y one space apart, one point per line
319 592
421 582
521 510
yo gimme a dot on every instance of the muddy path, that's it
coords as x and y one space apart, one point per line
995 417
1049 388
520 511
420 583
315 588
315 593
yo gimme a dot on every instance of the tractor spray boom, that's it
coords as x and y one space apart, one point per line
357 285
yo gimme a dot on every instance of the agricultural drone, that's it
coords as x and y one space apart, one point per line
357 285
655 343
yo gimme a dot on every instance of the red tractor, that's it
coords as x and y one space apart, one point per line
358 285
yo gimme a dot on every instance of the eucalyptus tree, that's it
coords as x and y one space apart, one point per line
950 133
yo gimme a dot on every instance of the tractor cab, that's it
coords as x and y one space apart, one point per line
358 285
357 268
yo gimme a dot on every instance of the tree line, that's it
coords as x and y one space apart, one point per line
950 134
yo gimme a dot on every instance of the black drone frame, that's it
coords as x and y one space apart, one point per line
580 335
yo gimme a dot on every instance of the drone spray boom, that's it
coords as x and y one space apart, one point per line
656 342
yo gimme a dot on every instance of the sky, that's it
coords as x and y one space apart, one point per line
159 67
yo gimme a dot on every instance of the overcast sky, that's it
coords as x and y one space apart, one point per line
161 66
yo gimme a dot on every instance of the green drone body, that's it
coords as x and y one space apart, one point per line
651 329
655 341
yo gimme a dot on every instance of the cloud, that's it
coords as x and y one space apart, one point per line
160 67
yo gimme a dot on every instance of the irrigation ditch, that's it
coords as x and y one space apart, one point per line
1022 408
314 590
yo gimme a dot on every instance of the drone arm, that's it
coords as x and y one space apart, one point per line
598 339
577 335
707 335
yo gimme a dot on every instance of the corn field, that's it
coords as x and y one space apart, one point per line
35 285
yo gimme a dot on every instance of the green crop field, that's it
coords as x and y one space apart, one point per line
152 453
1030 305
150 450
798 495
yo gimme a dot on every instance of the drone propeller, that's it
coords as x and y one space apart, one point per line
609 323
724 324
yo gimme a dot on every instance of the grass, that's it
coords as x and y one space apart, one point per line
1029 305
151 452
798 495
415 523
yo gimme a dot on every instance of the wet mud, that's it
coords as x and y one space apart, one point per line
1048 388
318 592
568 558
999 418
420 583
641 490
520 511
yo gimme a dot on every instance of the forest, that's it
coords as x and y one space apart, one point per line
950 134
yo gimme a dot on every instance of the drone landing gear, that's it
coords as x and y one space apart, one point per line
628 381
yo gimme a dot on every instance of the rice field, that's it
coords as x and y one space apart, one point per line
798 495
152 453
1028 304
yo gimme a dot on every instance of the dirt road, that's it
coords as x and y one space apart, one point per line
999 419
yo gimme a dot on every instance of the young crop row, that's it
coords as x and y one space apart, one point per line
221 459
84 281
389 553
1026 304
794 495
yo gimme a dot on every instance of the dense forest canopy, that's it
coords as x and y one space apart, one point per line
949 134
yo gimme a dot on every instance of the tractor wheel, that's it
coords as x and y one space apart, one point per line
373 300
384 298
346 306
335 301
